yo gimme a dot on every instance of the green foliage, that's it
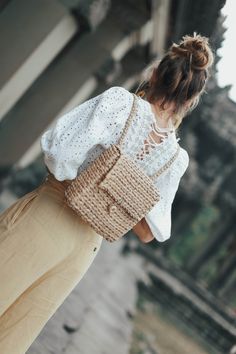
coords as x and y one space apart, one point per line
194 236
140 302
210 271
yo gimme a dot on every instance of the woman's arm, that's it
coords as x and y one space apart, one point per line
142 230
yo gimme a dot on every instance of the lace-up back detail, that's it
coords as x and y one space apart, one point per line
151 143
141 139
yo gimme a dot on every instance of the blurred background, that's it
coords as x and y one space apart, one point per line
176 297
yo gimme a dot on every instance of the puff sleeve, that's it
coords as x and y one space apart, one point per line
95 121
159 217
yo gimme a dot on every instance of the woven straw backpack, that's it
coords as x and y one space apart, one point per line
113 193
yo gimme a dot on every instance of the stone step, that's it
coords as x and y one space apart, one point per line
97 316
32 33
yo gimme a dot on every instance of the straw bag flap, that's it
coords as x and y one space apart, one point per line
130 187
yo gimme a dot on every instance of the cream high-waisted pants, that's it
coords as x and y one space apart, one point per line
45 249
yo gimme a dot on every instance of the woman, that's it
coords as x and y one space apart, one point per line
45 248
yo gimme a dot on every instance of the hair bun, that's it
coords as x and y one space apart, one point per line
196 48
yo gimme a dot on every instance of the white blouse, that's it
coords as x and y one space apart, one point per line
80 135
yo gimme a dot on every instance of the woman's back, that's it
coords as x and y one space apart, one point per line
80 135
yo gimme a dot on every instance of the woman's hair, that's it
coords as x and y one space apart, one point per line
181 75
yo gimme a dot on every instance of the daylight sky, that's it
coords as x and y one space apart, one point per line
226 65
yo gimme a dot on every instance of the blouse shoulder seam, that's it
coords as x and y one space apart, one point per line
119 88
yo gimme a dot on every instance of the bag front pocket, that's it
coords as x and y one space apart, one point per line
130 187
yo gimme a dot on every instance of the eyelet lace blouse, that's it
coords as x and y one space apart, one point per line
80 135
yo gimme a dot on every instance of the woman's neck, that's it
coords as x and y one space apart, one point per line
163 118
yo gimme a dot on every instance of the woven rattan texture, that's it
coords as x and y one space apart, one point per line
110 204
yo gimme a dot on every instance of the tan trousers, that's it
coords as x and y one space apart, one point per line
45 250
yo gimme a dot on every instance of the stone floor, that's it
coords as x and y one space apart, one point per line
96 318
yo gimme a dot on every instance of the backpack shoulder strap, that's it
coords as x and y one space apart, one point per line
167 165
128 121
